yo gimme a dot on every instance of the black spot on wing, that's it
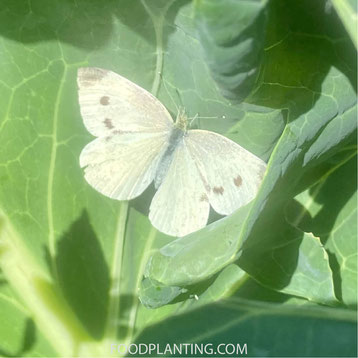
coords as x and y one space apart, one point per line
108 123
238 181
104 101
219 190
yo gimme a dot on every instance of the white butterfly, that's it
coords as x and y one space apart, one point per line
138 142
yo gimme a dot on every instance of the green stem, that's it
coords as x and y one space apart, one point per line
114 295
158 23
51 177
133 313
53 317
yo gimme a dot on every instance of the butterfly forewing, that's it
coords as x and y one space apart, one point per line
133 129
111 104
230 173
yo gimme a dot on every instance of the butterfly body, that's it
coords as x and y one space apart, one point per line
138 143
176 136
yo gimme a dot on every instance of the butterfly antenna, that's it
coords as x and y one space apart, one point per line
192 119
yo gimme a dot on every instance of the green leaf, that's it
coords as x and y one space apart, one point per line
197 256
322 202
232 34
266 330
72 259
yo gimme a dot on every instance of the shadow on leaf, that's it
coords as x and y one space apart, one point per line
29 339
81 23
83 274
304 46
260 326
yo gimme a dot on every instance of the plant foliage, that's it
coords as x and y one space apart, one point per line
80 271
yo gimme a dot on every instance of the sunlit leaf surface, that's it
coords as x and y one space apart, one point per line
280 80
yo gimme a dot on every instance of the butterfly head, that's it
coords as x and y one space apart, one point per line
181 121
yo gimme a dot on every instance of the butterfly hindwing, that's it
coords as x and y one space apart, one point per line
122 167
111 104
230 173
180 206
